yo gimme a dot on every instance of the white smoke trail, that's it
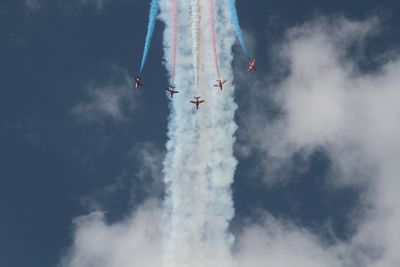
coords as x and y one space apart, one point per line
199 165
196 17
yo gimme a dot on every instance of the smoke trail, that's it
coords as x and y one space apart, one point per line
195 8
235 21
174 38
211 10
150 29
199 165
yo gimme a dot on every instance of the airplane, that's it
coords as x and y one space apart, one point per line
171 90
138 82
220 84
197 102
252 65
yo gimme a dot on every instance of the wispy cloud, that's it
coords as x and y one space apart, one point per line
97 4
282 244
37 5
34 5
141 174
110 102
150 160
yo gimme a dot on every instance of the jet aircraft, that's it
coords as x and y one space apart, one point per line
171 90
138 82
252 65
220 84
197 102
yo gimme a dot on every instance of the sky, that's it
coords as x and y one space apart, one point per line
317 145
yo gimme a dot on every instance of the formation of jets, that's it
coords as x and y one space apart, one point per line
197 101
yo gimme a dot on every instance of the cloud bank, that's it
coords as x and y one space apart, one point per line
133 242
326 101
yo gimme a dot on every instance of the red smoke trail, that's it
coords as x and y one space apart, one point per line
174 37
211 5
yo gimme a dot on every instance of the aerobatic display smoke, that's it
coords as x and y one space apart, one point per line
236 25
150 29
199 165
174 38
211 10
195 9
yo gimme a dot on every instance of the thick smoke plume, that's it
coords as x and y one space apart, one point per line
199 165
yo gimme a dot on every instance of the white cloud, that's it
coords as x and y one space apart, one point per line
97 4
111 102
141 173
150 159
135 241
33 5
326 101
36 5
281 244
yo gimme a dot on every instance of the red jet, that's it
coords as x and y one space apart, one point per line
171 90
220 84
252 65
138 82
197 102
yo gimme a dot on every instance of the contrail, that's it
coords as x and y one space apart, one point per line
174 38
199 165
150 29
195 8
211 10
235 22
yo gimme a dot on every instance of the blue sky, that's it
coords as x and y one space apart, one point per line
76 138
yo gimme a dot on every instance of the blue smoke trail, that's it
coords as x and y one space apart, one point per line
150 29
235 21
